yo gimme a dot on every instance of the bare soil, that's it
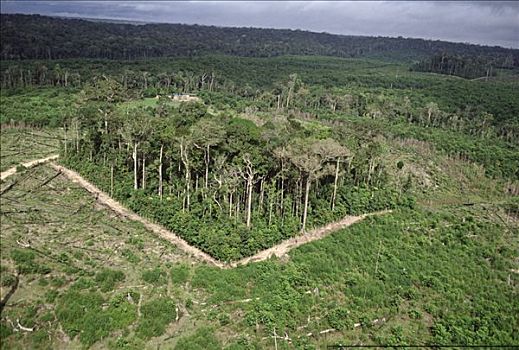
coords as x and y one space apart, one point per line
5 174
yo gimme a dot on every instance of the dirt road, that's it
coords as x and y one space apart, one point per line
5 174
105 199
313 235
277 250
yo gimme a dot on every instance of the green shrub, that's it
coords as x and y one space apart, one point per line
340 318
7 279
85 314
156 315
107 279
24 260
155 276
179 274
202 339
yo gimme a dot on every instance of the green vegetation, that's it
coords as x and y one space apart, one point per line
38 107
156 315
270 147
436 274
70 271
41 37
154 276
203 339
465 67
179 274
106 279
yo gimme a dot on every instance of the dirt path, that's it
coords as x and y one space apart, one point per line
5 174
105 199
277 250
284 247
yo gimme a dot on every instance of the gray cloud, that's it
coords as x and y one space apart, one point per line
488 23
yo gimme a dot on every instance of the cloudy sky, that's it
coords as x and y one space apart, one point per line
488 23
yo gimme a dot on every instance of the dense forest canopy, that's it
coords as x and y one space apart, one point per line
40 37
463 66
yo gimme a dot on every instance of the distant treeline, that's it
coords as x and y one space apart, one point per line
40 37
462 66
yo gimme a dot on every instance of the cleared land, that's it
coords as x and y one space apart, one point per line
69 253
21 145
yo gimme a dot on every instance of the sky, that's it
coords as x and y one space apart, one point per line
478 22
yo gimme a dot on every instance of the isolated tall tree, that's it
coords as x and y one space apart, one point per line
330 150
303 156
248 173
207 133
185 144
136 128
281 153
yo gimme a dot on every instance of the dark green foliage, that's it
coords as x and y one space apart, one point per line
466 67
202 339
106 279
26 263
155 276
180 273
156 315
340 318
5 331
7 279
83 314
51 38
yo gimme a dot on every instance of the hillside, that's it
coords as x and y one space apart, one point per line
39 37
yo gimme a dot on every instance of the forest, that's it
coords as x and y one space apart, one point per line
466 67
236 146
41 37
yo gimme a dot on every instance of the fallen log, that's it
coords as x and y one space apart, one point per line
10 293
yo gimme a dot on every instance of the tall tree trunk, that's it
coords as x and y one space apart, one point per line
135 165
238 200
230 205
143 172
207 159
305 210
160 170
262 195
184 158
335 184
66 141
112 180
249 201
271 205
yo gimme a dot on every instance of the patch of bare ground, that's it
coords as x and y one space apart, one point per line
284 247
9 172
